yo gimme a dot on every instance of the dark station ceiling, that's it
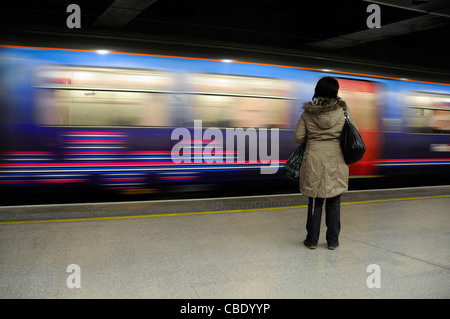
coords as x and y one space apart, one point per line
413 32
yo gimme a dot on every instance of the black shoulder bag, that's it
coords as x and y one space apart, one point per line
352 145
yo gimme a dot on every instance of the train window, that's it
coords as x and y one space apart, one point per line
101 108
235 111
238 101
428 113
71 77
244 85
360 97
101 97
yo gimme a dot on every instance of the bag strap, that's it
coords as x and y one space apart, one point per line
345 113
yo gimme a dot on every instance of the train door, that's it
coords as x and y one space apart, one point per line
361 98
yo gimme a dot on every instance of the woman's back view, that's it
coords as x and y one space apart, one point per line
323 173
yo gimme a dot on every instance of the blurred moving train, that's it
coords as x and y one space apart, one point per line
98 118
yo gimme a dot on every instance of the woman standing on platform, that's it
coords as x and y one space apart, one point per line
323 173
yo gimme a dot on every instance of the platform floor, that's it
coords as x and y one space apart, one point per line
231 253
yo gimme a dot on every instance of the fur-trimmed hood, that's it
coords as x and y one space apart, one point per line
324 112
323 105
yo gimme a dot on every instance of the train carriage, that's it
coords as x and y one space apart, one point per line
87 117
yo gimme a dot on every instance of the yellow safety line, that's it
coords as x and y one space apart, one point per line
393 199
208 212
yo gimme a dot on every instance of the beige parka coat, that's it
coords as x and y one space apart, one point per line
323 172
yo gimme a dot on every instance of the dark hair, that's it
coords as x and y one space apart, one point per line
327 87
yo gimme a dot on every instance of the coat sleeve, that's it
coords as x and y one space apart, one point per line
300 131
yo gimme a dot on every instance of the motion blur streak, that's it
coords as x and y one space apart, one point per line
78 118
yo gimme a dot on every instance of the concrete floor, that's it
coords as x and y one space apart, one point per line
251 254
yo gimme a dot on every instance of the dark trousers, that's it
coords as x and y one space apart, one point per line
333 220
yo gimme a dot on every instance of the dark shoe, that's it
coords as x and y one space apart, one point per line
333 247
308 245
